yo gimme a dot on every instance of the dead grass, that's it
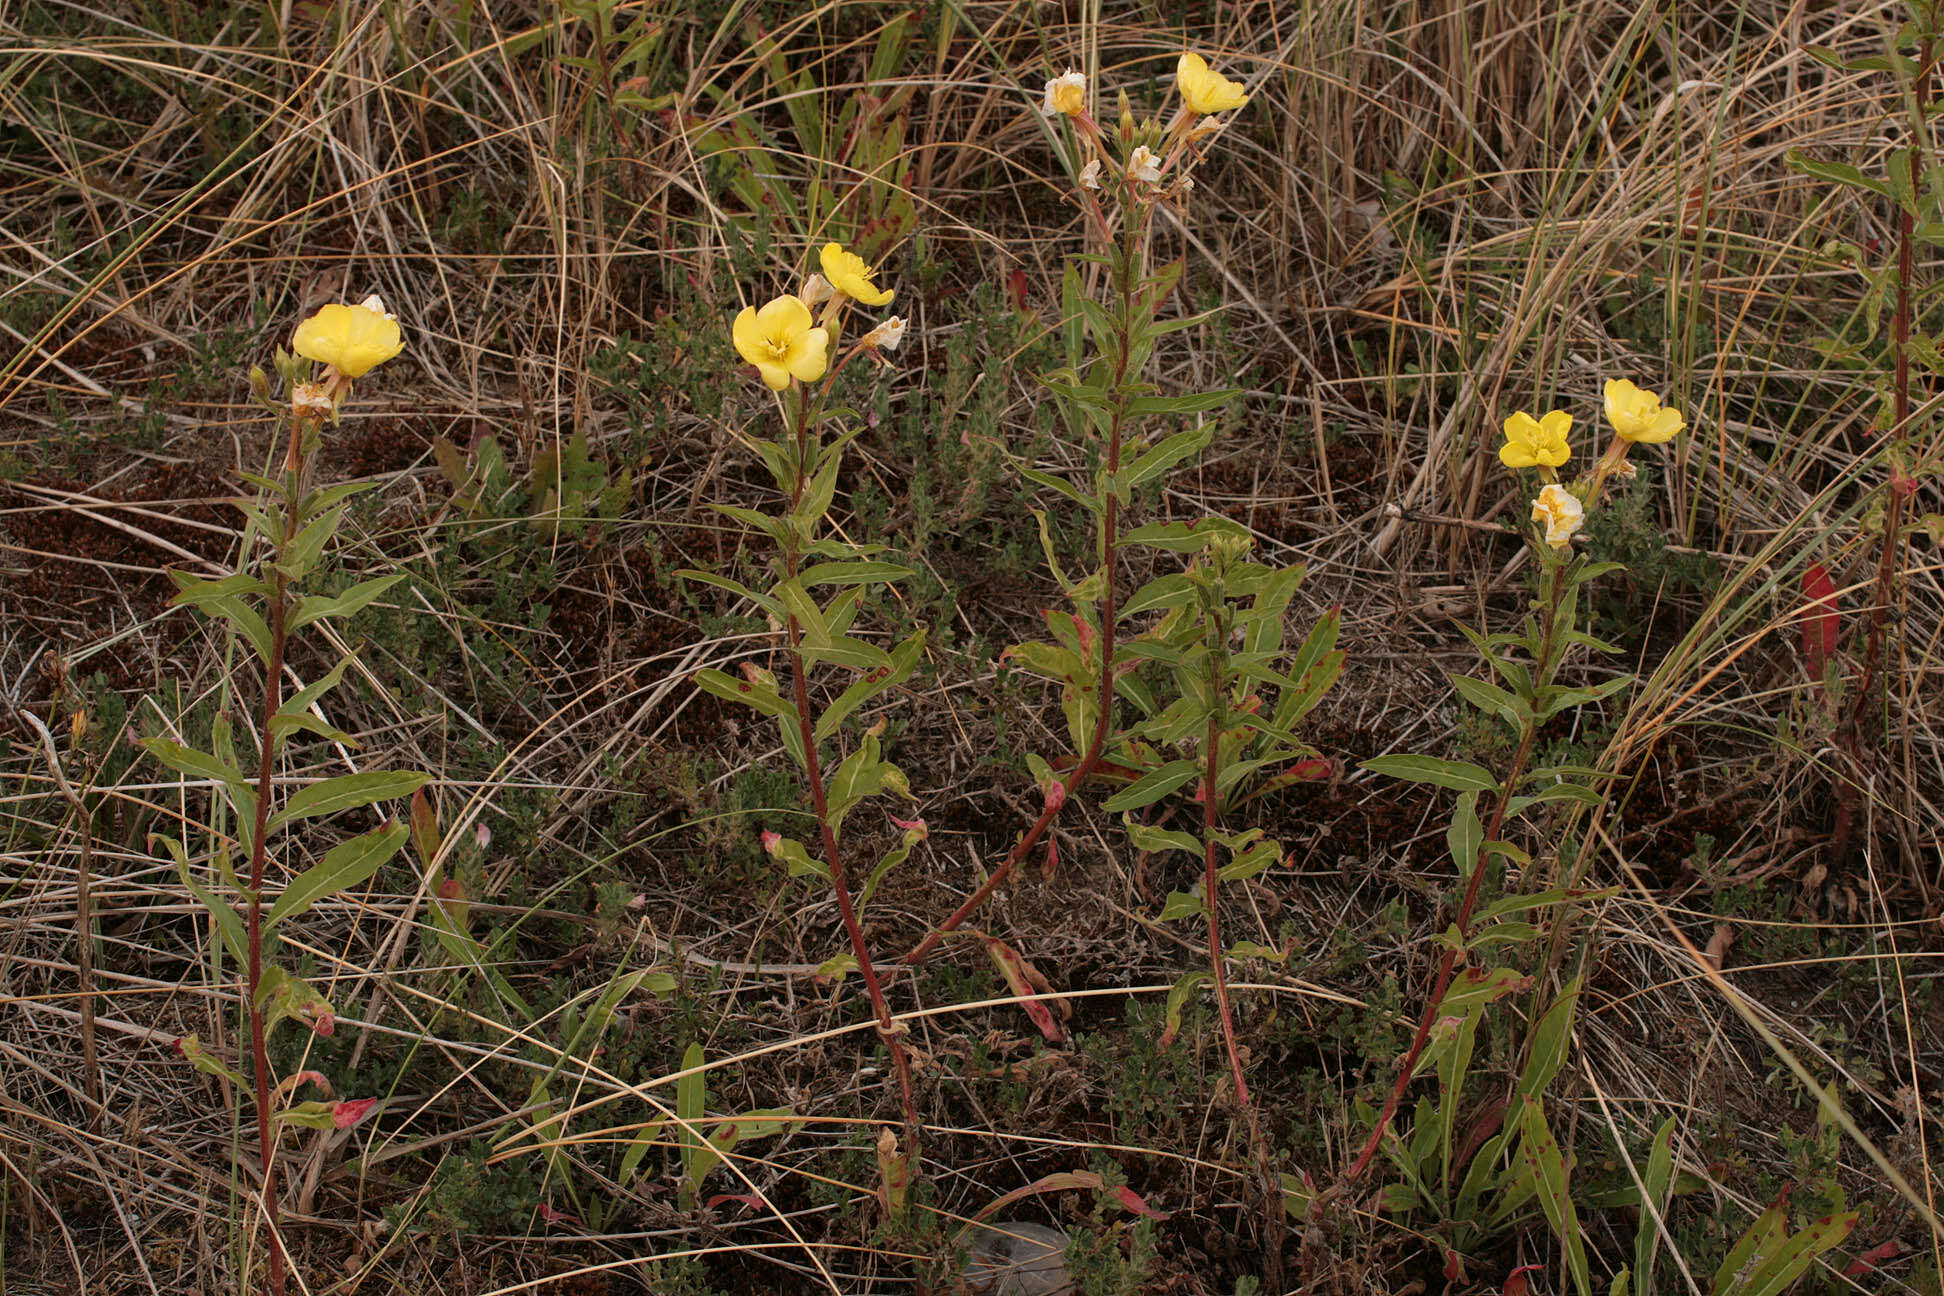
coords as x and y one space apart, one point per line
1432 215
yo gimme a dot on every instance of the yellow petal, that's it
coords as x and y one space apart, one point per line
351 339
851 276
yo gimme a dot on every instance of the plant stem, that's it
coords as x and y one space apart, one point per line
1103 722
888 1027
265 786
1543 670
1889 560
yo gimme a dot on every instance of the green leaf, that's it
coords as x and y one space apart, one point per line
1465 834
1148 838
1492 700
1459 776
344 866
314 607
195 764
852 573
1182 537
1658 1178
1165 455
196 592
1171 590
1060 485
1177 1000
903 660
1188 403
1151 787
347 791
1836 173
307 546
1792 1259
1183 904
1539 1151
1550 1041
229 924
735 587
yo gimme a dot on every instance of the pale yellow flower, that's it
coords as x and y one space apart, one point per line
1530 442
1066 95
849 275
351 339
1561 512
887 336
1205 90
1638 415
1143 165
782 343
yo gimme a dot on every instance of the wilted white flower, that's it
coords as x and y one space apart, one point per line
1206 126
887 336
311 398
1561 512
816 291
376 304
1090 175
1143 165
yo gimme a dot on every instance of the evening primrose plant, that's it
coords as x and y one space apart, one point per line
291 527
1521 1166
1111 320
819 581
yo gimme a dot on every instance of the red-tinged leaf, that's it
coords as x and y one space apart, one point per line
1052 862
1875 1256
1021 975
1454 1266
1317 769
750 1200
552 1216
1132 1200
350 1111
1016 288
1516 1282
1823 624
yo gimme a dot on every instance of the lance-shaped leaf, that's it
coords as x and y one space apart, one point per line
316 607
1539 1152
1151 787
903 660
229 924
346 792
1459 776
346 865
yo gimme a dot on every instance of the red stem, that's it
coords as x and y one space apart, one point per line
259 857
1888 561
813 771
1448 964
1209 897
1103 723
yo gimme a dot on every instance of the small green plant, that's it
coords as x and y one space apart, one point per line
291 527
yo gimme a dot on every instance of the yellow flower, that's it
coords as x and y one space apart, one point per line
780 341
1562 513
351 339
1637 415
1530 442
1207 91
1066 93
851 277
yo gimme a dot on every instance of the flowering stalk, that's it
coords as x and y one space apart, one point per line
788 342
1104 391
263 604
1901 485
1531 695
